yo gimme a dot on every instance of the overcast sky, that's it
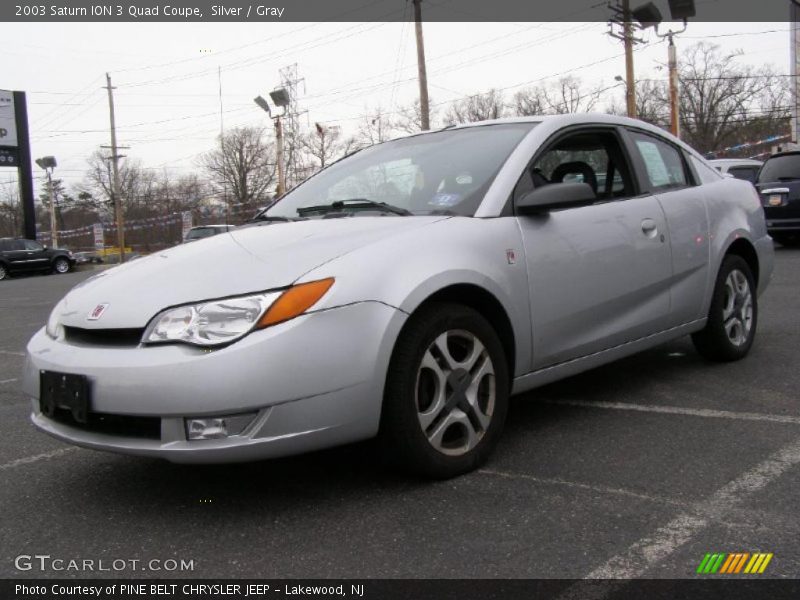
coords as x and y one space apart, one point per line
167 97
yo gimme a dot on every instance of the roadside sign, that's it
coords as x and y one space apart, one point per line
99 238
8 124
187 223
9 157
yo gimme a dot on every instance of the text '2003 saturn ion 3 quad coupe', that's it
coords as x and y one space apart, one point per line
405 291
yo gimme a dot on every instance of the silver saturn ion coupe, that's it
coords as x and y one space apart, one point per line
405 292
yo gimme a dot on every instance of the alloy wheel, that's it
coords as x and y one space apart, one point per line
737 311
455 392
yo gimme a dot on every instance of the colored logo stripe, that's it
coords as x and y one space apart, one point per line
733 563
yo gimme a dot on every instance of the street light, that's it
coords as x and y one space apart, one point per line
648 15
48 163
281 98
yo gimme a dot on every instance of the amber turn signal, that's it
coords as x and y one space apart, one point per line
295 301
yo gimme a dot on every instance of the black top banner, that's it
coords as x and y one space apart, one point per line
376 10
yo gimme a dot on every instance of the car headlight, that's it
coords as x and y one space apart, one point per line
218 322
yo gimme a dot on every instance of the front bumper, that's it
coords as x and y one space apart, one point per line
315 381
778 225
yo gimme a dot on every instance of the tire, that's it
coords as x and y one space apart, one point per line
3 272
733 316
61 266
438 419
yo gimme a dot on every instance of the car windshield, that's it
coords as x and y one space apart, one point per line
780 168
445 172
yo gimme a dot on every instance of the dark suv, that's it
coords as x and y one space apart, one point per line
779 185
20 255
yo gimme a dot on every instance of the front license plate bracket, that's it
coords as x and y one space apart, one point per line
64 391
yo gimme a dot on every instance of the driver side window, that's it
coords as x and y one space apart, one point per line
591 157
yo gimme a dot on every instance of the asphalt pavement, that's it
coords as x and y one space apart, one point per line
635 469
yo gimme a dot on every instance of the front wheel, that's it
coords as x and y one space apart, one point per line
3 272
61 266
733 316
446 393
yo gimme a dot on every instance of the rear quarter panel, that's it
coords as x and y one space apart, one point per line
735 211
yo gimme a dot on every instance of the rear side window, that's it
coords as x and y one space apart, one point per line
16 245
4 245
780 168
746 173
663 163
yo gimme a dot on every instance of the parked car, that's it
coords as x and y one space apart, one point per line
741 168
779 184
24 256
88 258
204 231
405 292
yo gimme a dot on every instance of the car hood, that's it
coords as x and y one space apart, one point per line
249 259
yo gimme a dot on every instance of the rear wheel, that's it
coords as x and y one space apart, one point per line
733 316
61 266
3 272
446 392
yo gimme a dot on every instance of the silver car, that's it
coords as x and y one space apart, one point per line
405 292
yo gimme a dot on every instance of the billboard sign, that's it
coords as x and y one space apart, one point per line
8 125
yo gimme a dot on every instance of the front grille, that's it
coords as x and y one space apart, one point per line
119 425
103 337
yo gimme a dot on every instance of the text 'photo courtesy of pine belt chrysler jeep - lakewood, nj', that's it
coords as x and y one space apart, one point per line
404 293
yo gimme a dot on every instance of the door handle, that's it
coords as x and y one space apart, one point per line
649 227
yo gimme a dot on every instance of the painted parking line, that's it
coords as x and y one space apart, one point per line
679 410
2 381
12 353
654 548
600 489
36 458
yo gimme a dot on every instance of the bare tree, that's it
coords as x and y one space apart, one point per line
529 102
242 166
568 95
10 210
323 145
376 126
718 95
479 107
409 117
652 102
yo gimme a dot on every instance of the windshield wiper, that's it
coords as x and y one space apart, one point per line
353 203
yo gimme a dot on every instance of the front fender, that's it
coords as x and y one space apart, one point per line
405 270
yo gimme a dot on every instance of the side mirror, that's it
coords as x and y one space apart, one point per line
44 246
555 195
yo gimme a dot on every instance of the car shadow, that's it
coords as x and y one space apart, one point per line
359 469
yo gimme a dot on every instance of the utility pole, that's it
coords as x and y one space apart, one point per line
424 107
115 156
630 82
674 120
53 226
623 20
281 187
794 45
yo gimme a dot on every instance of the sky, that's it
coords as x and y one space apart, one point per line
167 75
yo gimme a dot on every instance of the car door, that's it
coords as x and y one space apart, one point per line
665 172
36 256
17 256
598 275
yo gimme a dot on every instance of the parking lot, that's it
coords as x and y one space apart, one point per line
636 469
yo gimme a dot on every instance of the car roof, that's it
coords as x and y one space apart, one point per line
785 153
209 226
736 161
